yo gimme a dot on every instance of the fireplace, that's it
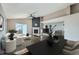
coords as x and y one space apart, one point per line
36 31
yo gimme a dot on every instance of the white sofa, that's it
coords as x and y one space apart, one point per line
71 47
19 39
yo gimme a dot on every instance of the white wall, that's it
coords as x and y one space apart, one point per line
71 26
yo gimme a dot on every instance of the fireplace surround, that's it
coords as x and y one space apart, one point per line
36 31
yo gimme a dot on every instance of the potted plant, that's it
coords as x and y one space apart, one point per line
12 31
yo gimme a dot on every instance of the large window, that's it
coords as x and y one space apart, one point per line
21 28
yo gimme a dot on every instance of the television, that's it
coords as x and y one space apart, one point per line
45 30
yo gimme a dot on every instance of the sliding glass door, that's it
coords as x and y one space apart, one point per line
21 28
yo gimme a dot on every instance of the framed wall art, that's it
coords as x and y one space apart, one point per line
1 22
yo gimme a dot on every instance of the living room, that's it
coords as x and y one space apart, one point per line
27 28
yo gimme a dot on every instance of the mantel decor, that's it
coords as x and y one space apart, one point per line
1 22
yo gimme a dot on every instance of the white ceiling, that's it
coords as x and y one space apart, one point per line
22 10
